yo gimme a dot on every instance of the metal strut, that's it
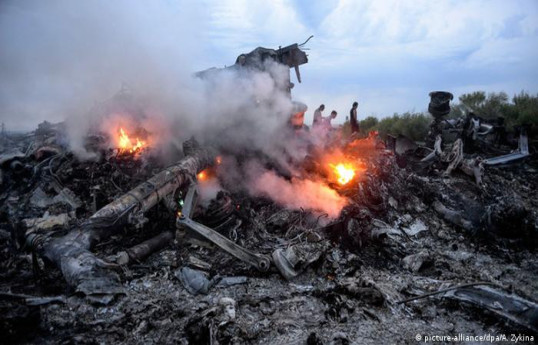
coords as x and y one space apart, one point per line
260 261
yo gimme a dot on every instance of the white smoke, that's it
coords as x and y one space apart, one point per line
64 60
298 193
60 58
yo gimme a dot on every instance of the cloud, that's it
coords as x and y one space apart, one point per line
384 52
508 52
60 57
238 25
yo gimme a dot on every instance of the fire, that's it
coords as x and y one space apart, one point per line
345 172
125 143
202 175
207 175
139 145
341 167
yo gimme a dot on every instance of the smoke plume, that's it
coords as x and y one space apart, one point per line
65 60
297 193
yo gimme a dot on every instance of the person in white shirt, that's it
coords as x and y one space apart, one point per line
317 115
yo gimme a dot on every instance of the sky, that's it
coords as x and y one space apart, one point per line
385 54
389 54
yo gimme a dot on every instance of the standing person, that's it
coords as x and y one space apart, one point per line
317 115
325 131
353 118
326 121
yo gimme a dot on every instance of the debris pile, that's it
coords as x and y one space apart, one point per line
124 248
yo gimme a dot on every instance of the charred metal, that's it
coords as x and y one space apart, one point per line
127 247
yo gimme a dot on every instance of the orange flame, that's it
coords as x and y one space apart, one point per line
202 175
139 145
345 172
125 143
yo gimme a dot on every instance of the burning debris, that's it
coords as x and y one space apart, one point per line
301 239
125 144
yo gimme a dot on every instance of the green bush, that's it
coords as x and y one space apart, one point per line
412 125
368 124
523 109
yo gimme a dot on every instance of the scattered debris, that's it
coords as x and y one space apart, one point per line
141 251
513 308
483 295
121 249
521 152
46 223
416 262
194 281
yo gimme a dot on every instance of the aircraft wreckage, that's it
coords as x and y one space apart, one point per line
416 239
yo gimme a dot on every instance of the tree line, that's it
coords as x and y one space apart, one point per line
521 109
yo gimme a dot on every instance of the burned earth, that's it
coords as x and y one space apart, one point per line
401 242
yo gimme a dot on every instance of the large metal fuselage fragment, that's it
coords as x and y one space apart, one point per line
71 253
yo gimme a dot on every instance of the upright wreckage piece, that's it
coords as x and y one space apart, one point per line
260 59
71 253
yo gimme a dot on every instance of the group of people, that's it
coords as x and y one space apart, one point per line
325 122
320 121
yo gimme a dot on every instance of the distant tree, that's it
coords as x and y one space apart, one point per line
368 124
522 109
493 106
412 125
474 100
